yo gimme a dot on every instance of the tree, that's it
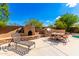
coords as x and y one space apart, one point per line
60 25
76 25
50 25
67 20
35 23
4 13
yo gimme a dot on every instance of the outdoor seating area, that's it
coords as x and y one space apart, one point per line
20 39
59 35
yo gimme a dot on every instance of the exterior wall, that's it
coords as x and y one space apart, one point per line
8 29
58 30
29 28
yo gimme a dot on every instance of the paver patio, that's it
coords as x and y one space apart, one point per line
46 48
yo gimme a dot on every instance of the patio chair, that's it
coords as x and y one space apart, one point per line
16 38
62 39
59 38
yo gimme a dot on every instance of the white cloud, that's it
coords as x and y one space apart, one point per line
71 4
48 21
58 17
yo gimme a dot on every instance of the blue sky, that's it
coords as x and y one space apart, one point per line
44 12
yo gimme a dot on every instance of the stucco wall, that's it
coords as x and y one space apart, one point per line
29 28
8 29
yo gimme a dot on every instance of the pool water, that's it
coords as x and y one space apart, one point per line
76 36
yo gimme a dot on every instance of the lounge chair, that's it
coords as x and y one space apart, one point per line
16 38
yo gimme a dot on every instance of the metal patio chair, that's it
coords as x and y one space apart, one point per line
16 38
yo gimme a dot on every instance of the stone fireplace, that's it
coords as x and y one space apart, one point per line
29 30
29 33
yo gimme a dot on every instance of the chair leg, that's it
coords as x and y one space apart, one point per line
28 48
34 45
9 45
0 48
16 46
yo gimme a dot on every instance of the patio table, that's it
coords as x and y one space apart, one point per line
61 34
58 36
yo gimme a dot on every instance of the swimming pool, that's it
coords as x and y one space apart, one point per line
76 36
